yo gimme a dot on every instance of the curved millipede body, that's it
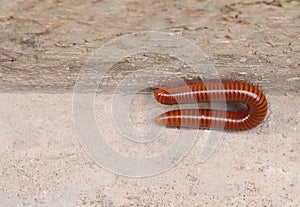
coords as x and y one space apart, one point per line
213 91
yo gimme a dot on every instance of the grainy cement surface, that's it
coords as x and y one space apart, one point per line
43 164
43 44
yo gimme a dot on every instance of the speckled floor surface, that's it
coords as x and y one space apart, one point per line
42 162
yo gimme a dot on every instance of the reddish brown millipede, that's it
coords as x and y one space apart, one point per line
225 90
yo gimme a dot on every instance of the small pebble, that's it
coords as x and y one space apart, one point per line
242 60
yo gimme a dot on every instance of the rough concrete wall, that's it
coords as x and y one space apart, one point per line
43 44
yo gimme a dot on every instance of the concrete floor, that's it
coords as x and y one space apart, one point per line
43 163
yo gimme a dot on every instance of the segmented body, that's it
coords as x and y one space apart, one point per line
213 91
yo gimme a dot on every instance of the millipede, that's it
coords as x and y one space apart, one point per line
198 91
